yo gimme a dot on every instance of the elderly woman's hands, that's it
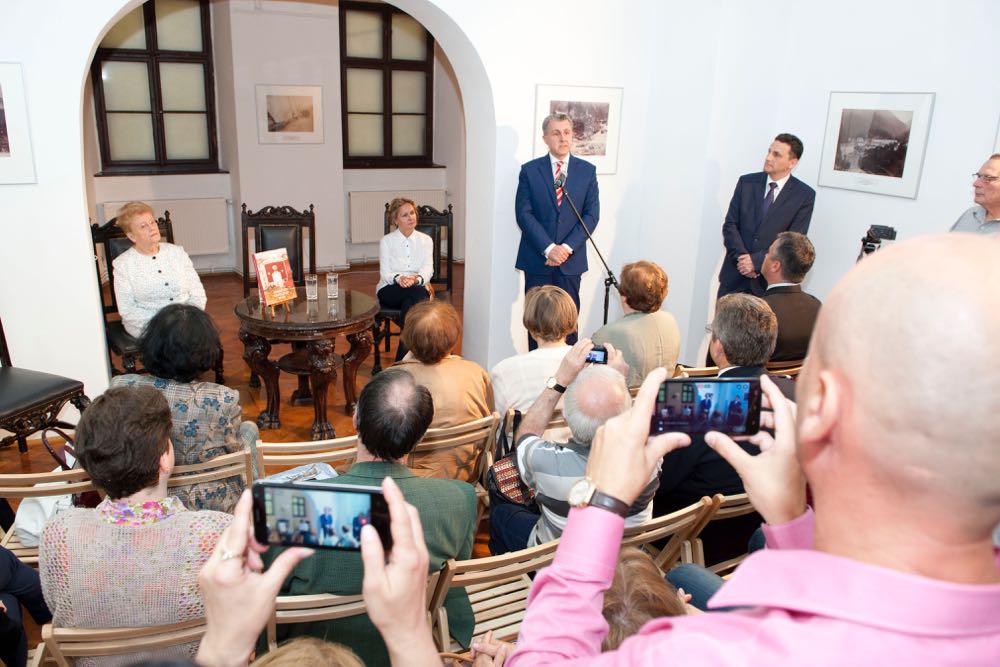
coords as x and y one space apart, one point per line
239 598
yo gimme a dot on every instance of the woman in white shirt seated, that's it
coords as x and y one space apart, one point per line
549 316
406 263
152 273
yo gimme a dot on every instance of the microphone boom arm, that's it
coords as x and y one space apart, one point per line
610 280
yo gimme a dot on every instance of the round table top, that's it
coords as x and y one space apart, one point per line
349 308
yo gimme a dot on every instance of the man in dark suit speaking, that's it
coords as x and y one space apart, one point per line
553 245
764 205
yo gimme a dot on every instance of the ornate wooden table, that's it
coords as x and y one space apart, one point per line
311 327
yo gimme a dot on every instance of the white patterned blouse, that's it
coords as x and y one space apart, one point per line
146 283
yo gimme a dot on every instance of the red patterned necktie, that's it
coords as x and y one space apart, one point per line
559 187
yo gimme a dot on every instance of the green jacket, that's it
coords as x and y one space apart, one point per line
448 513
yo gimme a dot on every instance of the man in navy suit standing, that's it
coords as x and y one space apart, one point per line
764 205
553 245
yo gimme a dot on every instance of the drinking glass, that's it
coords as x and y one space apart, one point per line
332 286
312 291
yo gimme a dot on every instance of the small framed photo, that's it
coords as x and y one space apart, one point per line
289 114
875 142
596 114
17 162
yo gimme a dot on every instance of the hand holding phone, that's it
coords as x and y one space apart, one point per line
324 516
699 405
597 355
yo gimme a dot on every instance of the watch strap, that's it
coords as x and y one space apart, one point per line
551 383
610 503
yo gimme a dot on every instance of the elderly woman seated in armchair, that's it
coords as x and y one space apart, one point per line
152 273
180 343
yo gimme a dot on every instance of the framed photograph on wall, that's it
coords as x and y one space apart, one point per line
596 114
17 163
289 114
875 142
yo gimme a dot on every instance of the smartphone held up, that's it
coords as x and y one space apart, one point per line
324 516
700 405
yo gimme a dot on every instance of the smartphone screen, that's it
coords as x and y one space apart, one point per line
597 355
324 516
699 405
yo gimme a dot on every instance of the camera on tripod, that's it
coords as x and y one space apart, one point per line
873 238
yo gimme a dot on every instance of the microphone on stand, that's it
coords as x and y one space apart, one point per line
610 280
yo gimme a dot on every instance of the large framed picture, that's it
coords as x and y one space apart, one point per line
17 163
289 114
596 114
875 142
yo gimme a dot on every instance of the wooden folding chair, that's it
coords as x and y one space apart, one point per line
24 485
63 643
339 453
680 526
728 507
498 588
682 371
790 368
236 464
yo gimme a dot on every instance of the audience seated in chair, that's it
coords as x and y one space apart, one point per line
593 395
785 266
647 336
180 344
406 263
461 389
392 415
549 316
152 273
743 335
132 561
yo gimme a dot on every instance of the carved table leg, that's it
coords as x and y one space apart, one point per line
361 345
255 351
322 363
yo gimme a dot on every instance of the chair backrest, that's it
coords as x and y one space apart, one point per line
59 483
679 526
236 464
280 227
790 368
682 371
480 432
438 225
273 457
63 643
110 241
4 350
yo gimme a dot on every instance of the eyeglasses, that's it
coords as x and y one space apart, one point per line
984 178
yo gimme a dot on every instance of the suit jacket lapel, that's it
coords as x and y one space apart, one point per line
545 173
785 195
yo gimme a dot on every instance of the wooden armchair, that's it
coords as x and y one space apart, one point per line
439 226
30 401
498 588
24 485
59 644
274 457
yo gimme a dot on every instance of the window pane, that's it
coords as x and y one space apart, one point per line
130 136
178 25
408 135
129 33
186 136
364 135
126 86
409 39
182 86
364 90
408 92
363 34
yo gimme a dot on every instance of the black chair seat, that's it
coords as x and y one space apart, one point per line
22 390
122 342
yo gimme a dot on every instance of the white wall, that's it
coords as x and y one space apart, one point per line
697 114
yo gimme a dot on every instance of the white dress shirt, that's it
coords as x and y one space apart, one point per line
401 255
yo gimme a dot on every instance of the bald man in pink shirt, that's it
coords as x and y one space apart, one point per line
896 565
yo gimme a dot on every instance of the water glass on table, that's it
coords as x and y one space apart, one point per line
312 287
332 286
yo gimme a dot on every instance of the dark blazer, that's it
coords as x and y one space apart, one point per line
447 510
796 312
542 222
744 232
694 471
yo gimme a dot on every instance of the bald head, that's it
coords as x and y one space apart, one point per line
913 333
596 395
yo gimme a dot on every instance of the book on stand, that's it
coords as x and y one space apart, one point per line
274 277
